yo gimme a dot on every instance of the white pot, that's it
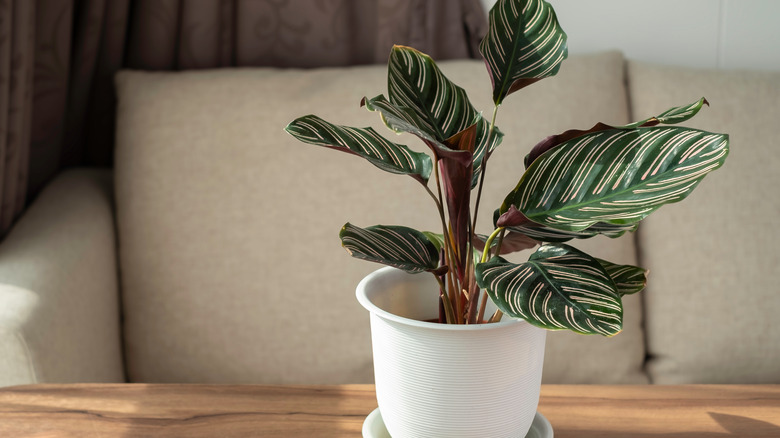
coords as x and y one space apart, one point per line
441 380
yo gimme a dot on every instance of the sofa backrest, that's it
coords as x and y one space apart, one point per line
228 227
712 300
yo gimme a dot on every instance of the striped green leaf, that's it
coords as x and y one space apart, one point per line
424 102
364 142
402 247
547 234
402 119
671 116
615 176
524 44
558 288
628 279
516 222
415 83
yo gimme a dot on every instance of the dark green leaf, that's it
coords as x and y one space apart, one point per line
615 176
671 116
547 234
415 83
426 103
364 142
524 44
401 119
558 288
402 247
628 279
515 221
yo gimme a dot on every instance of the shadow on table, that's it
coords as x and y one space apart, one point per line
735 425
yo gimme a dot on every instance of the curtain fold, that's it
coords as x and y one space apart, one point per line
17 22
58 59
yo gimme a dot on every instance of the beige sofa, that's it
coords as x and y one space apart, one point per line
211 253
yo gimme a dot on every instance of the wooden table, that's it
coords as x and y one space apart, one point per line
140 410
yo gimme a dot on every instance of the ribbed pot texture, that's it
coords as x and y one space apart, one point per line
440 380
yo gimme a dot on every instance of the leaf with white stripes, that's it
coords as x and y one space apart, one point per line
403 119
516 222
402 247
364 142
547 234
628 279
524 44
615 176
558 288
422 99
415 82
671 116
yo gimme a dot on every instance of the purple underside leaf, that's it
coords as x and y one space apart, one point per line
456 179
444 153
512 242
512 218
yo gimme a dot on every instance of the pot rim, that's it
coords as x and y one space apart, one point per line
374 309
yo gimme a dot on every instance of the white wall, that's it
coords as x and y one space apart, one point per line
729 34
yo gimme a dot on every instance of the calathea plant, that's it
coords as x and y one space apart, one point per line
575 185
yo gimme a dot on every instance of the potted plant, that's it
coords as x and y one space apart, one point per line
446 363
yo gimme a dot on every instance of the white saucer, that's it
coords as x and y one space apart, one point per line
374 427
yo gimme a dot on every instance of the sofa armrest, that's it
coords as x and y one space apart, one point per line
59 299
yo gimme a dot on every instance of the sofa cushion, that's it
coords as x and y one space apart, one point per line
59 296
712 301
230 257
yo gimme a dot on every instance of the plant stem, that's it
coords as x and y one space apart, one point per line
445 238
482 307
448 248
485 254
484 169
448 312
489 243
468 280
438 204
500 231
457 301
453 290
496 316
500 242
473 289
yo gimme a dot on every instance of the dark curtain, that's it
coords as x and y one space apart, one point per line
17 39
58 59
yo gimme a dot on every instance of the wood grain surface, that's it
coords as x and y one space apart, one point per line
582 411
658 411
